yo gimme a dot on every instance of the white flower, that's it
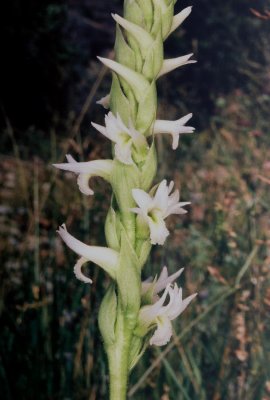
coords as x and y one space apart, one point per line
123 137
105 102
173 63
174 128
161 315
154 210
104 257
86 170
162 282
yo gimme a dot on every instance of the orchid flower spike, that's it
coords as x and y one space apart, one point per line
154 210
124 138
161 316
102 256
157 285
86 170
174 128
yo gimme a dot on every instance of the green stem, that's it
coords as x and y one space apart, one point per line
118 357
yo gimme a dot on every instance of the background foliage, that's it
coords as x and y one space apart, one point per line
50 347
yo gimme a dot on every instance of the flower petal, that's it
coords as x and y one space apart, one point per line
179 18
78 271
179 305
164 280
104 257
86 170
174 128
161 196
102 130
149 313
177 209
173 63
143 200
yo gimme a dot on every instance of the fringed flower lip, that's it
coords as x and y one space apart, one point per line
86 170
154 210
104 257
125 138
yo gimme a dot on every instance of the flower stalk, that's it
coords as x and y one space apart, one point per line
134 314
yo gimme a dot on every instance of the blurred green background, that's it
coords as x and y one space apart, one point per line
50 347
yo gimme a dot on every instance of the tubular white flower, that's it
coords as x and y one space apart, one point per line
102 256
174 128
123 137
137 81
85 170
154 210
104 102
179 18
162 282
161 316
173 63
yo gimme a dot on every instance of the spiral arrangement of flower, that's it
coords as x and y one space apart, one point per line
134 314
